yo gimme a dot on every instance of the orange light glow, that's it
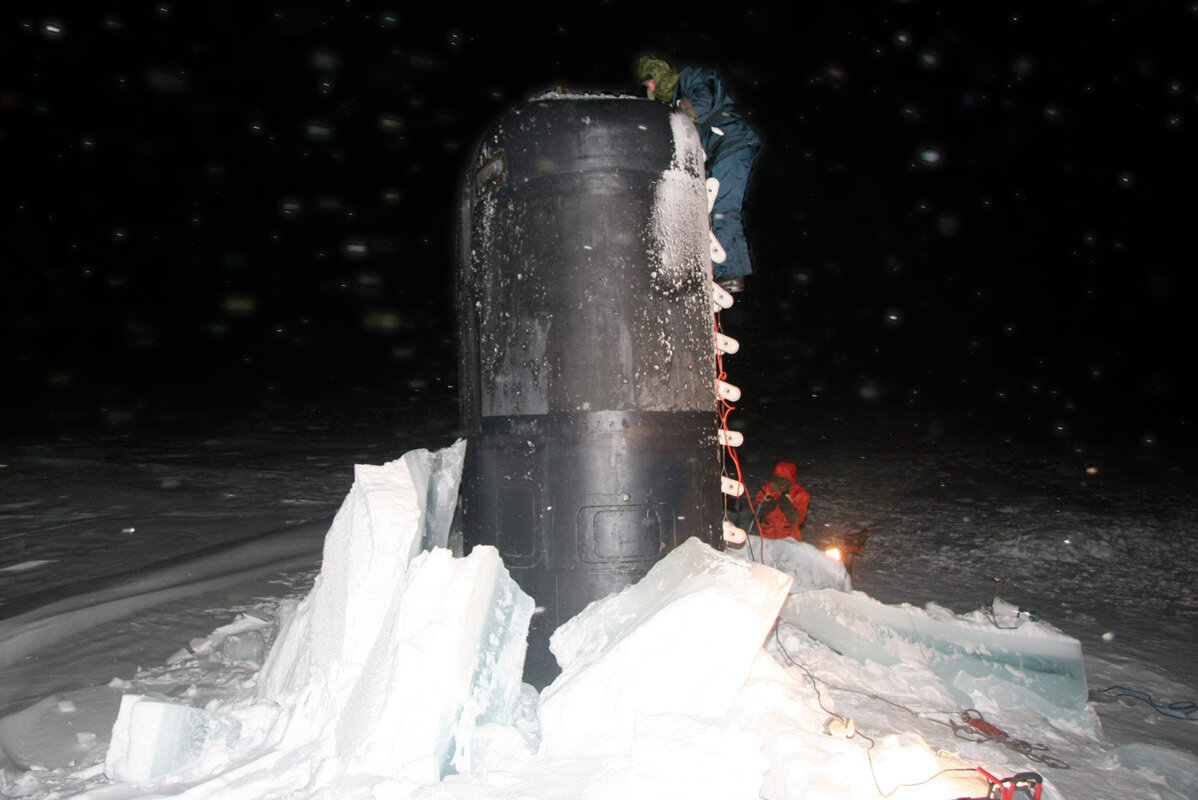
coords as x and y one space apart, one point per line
834 554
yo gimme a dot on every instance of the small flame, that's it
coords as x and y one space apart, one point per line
834 554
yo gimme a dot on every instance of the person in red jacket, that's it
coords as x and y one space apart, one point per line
782 503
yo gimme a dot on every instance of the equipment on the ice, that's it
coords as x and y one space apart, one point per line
974 719
975 728
846 547
1024 786
1184 710
840 727
1009 616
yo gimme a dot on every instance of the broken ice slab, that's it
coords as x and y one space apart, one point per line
376 532
681 640
1033 665
155 739
394 658
807 564
449 659
243 639
440 678
437 476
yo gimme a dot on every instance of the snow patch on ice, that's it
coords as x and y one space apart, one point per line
1176 769
26 566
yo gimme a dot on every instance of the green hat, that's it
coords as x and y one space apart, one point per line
664 76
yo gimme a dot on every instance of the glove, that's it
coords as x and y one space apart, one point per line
689 109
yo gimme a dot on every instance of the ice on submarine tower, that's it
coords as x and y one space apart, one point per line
587 350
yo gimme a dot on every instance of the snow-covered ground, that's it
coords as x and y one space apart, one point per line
956 519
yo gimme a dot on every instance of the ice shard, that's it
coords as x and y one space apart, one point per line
156 739
376 532
449 658
681 640
437 476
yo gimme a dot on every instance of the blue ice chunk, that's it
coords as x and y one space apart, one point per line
1033 665
448 657
494 693
437 475
156 739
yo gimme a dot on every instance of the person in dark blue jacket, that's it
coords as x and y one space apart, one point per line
731 146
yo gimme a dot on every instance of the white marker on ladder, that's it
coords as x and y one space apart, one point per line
717 250
721 298
728 391
730 438
731 486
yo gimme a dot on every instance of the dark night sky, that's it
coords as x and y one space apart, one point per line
978 209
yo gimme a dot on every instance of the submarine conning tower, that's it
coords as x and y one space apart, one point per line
587 357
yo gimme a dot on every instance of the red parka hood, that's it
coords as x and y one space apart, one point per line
787 470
